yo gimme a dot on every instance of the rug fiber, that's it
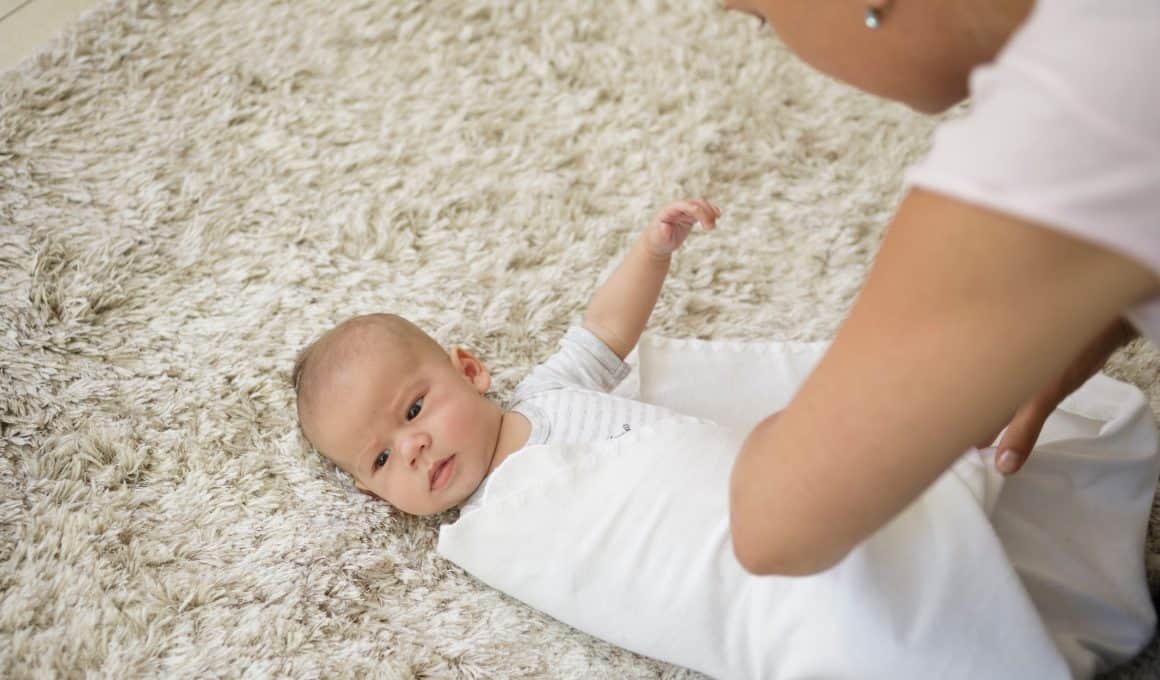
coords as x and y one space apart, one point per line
192 190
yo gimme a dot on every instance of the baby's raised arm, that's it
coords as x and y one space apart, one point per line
621 306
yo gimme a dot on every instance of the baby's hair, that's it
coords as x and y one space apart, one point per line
339 343
296 382
299 365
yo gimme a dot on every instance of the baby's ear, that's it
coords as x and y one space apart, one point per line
471 368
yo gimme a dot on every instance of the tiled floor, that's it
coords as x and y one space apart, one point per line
26 25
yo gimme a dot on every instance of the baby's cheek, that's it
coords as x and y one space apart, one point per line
459 420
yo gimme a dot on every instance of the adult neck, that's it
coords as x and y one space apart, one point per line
987 25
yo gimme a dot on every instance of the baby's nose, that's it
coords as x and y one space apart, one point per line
415 446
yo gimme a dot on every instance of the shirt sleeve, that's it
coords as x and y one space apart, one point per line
582 360
1063 129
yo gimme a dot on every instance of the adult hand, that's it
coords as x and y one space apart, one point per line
1025 426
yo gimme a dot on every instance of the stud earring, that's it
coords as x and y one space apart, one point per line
873 18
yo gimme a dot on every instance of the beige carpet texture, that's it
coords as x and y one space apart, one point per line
191 191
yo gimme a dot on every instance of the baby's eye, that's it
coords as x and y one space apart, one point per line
413 412
382 459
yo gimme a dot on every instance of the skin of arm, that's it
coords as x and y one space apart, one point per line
965 314
621 306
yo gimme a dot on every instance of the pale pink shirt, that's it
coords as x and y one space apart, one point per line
1064 131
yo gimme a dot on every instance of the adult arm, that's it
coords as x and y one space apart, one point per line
965 314
1023 431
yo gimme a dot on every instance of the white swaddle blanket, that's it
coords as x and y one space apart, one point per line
628 540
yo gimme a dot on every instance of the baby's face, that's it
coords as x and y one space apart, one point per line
412 427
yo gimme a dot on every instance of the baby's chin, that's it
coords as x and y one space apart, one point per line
456 505
441 508
452 502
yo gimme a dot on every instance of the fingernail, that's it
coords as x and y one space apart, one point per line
1007 461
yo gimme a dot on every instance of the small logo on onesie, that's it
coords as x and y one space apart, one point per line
627 429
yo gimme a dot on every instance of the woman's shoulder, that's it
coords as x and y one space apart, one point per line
1062 128
1098 59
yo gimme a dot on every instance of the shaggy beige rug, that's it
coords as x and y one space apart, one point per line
190 191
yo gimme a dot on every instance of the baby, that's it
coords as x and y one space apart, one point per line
618 525
411 422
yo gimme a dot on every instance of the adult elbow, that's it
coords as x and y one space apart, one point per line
768 556
753 560
775 547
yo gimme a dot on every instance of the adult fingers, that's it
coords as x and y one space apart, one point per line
1019 439
1023 432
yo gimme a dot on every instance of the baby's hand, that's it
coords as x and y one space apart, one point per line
673 223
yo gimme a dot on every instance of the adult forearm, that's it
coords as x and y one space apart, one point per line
963 317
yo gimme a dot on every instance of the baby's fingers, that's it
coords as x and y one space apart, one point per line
690 211
708 213
704 212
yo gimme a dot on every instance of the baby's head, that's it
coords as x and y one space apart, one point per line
409 421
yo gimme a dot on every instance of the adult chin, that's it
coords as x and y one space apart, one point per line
922 58
933 104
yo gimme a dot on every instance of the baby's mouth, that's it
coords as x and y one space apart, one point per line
441 471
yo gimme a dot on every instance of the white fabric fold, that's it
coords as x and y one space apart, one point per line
628 540
1073 522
